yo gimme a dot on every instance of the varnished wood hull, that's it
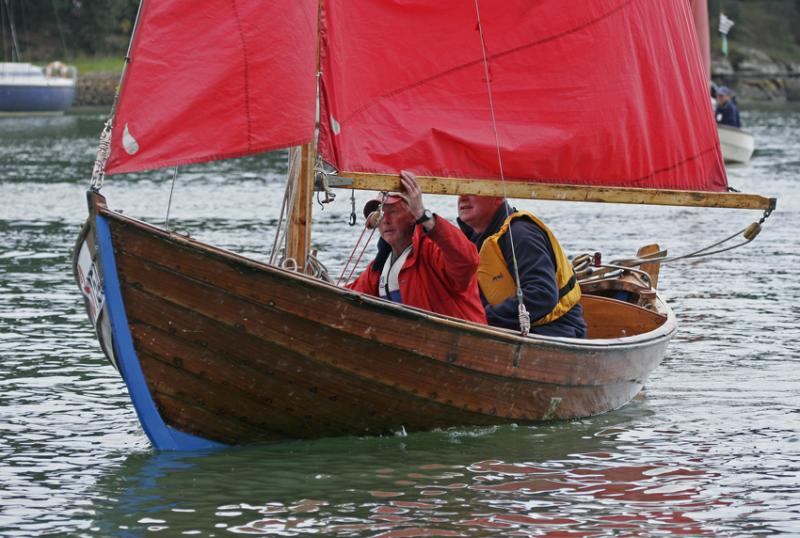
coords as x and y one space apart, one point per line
234 351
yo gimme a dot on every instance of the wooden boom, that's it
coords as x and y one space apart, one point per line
567 193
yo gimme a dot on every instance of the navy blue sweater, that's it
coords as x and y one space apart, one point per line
537 269
728 114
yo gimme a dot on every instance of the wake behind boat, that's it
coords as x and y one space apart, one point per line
28 89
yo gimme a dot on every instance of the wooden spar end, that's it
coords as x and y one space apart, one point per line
566 193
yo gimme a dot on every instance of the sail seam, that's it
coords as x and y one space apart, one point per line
489 58
673 165
246 73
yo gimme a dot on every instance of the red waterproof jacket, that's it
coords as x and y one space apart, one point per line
439 275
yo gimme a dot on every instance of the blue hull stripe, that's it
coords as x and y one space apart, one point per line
35 98
162 436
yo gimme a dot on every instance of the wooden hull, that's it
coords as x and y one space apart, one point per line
737 145
233 351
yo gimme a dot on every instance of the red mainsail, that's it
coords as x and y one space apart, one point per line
213 79
589 92
703 31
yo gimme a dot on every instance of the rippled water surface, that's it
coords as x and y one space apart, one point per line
712 447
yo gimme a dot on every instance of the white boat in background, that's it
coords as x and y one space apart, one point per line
29 89
737 145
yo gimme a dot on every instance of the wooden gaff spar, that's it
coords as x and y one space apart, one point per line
218 349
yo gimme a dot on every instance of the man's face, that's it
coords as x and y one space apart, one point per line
397 225
477 211
722 99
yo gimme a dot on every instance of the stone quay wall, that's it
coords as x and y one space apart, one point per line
754 76
96 89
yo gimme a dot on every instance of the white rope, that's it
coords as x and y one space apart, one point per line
288 200
524 317
277 256
316 268
274 252
103 151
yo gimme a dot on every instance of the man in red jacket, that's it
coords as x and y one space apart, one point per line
423 260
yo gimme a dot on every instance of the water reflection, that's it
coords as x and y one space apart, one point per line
580 479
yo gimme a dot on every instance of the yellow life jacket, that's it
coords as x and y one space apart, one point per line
497 284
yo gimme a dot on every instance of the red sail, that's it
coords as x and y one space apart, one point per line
588 92
700 14
211 79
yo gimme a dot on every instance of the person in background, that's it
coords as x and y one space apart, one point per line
550 291
727 113
423 260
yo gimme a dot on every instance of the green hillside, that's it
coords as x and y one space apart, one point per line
65 29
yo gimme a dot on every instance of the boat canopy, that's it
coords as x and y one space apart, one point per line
604 92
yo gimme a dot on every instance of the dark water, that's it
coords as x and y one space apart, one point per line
711 448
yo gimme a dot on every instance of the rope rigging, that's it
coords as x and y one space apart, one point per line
352 253
590 265
524 316
169 203
313 266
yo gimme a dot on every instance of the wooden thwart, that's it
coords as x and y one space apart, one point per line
567 193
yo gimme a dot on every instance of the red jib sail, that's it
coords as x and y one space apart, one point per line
212 79
593 92
589 92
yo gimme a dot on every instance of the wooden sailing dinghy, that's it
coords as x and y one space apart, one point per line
219 349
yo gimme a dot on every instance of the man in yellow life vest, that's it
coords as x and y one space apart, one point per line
549 289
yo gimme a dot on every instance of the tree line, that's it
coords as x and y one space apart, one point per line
62 29
49 29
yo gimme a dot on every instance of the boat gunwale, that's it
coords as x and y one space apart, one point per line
664 332
733 129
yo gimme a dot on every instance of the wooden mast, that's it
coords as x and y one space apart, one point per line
568 193
298 236
298 233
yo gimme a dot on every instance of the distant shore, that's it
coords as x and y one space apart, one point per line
754 76
96 89
752 81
